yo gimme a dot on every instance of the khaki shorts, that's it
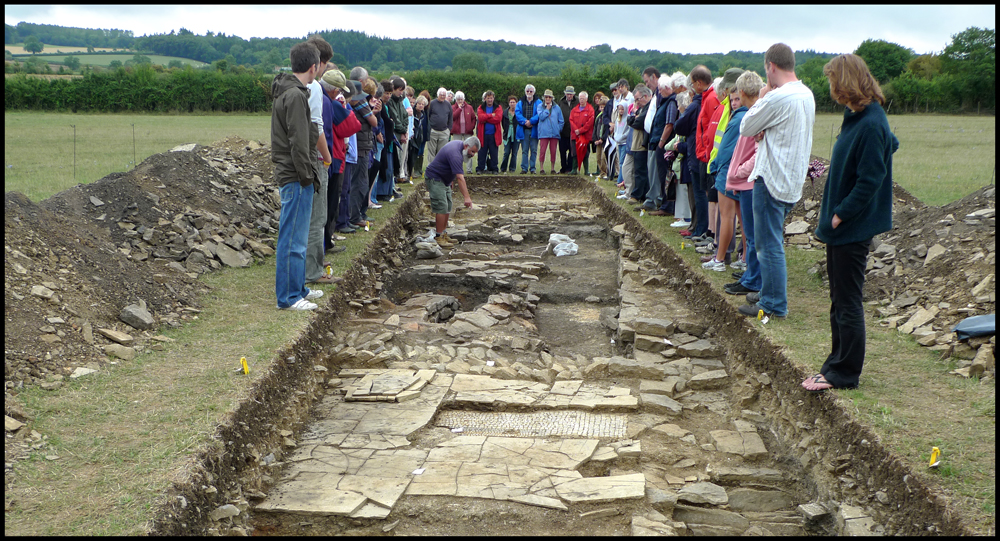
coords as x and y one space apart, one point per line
440 196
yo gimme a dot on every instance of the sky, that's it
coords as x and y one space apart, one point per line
677 29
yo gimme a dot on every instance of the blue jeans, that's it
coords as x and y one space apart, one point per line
769 236
622 152
529 145
290 251
751 276
510 156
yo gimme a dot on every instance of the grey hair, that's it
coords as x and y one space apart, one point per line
716 84
678 80
358 73
419 100
683 100
529 86
459 95
663 81
442 90
582 94
472 142
641 90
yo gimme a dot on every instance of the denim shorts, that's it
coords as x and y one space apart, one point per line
733 194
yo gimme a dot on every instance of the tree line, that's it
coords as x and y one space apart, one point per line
960 79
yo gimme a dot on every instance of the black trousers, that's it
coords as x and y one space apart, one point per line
846 267
567 154
332 208
488 155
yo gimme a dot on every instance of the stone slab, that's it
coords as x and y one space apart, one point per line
604 489
313 494
713 517
703 492
540 501
661 404
671 430
713 379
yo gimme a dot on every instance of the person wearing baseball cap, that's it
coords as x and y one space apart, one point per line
339 123
567 151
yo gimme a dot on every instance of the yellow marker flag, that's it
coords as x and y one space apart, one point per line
243 362
935 456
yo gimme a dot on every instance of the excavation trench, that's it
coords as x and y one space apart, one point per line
500 389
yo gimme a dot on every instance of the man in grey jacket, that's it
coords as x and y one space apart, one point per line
293 141
439 118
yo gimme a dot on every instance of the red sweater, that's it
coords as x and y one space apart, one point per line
583 121
342 132
705 137
470 120
495 118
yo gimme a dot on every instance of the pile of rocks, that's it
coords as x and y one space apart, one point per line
78 260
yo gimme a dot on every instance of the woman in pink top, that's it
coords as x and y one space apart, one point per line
738 179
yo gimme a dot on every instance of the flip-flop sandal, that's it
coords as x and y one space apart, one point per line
816 379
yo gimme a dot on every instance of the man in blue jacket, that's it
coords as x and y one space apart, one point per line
527 127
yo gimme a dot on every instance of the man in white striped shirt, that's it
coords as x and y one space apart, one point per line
782 123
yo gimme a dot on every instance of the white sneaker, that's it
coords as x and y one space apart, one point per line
621 196
314 294
739 264
713 265
681 223
301 304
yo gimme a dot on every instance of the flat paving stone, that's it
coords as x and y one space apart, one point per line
671 430
313 494
703 492
604 489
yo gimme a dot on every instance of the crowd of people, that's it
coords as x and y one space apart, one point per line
710 152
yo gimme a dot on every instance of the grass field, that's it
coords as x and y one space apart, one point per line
105 60
18 48
940 159
939 156
38 147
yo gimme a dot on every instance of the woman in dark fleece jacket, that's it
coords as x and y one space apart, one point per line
857 205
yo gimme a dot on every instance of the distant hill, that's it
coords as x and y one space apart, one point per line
386 55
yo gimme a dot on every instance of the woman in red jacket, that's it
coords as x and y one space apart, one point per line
463 124
581 123
488 129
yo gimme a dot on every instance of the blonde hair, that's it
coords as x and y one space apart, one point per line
852 83
750 84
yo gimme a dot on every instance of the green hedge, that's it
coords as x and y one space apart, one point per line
143 89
